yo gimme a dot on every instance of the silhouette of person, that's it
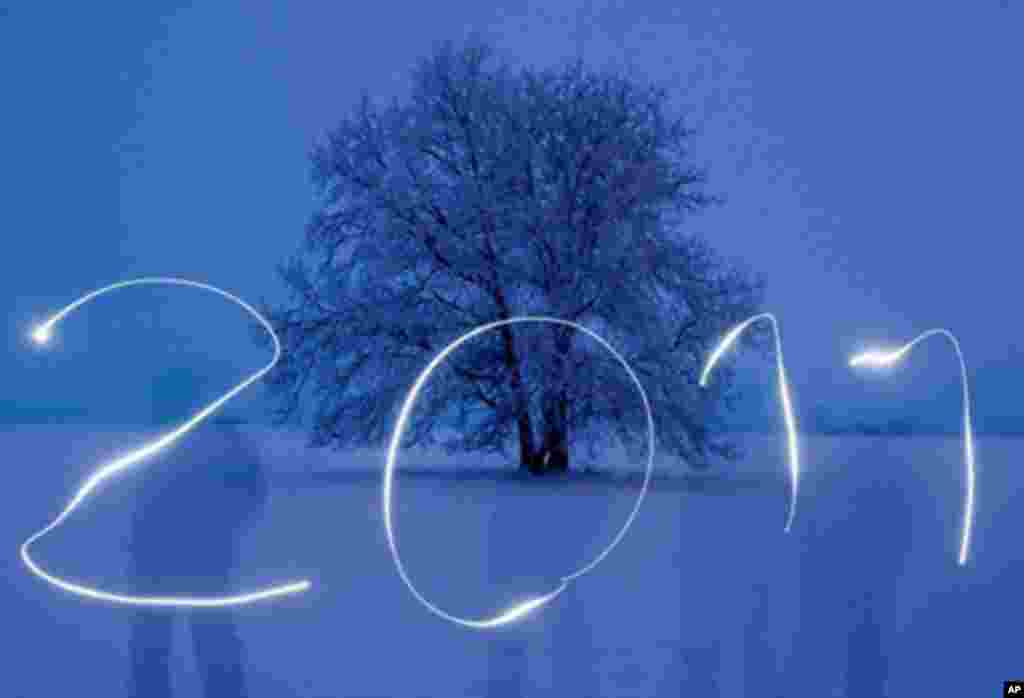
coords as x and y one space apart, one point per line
194 500
867 667
508 646
855 554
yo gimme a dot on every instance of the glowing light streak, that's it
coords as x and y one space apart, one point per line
526 607
881 359
42 334
787 406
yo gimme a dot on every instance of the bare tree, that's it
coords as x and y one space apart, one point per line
495 193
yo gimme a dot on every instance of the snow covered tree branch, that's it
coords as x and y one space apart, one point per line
494 193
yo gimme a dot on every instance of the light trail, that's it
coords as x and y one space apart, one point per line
41 335
787 406
880 359
526 607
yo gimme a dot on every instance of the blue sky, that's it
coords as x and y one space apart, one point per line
869 152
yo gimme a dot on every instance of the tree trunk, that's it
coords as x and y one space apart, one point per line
528 457
553 456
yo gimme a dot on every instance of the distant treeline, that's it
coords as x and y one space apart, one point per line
16 414
894 426
823 425
24 414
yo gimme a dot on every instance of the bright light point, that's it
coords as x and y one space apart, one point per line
520 610
875 359
41 334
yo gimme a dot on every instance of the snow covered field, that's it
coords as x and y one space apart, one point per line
706 590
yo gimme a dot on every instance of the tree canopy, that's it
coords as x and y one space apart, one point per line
492 193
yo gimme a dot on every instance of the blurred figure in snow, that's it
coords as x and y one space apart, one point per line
867 666
194 500
857 541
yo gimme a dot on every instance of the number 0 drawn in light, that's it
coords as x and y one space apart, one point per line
787 407
879 359
41 335
522 609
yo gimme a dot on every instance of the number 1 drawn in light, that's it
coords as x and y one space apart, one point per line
879 359
41 335
787 406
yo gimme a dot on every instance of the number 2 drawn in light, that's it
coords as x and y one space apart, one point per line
41 335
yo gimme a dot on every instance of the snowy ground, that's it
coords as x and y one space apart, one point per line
705 589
